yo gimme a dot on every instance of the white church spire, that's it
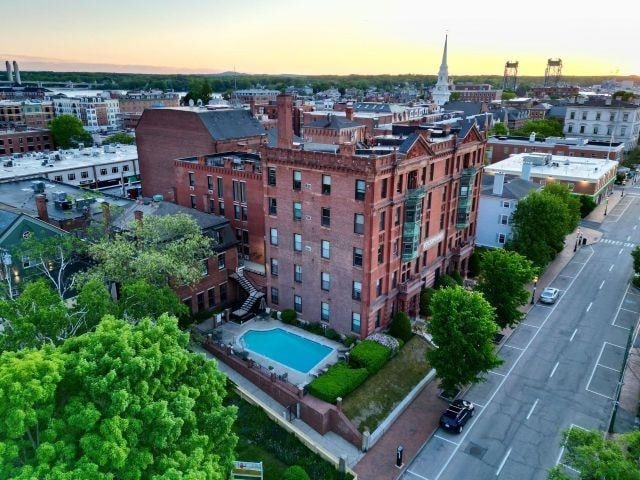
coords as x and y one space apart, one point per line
440 92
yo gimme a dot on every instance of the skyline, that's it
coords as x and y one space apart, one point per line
289 37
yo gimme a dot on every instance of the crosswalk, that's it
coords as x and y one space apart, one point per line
617 242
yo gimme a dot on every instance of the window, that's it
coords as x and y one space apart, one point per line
584 115
297 211
582 128
399 184
609 130
360 189
380 253
125 168
572 115
236 212
84 174
383 188
193 201
192 179
103 171
273 206
625 117
114 170
504 219
200 301
271 177
355 322
275 296
356 290
324 311
223 292
221 207
297 273
598 116
357 257
595 130
396 242
623 131
396 216
428 200
221 261
244 213
209 182
297 242
326 184
378 287
71 176
325 217
243 192
383 220
394 279
325 281
325 249
297 179
211 296
358 223
57 178
273 236
297 303
506 204
431 171
501 238
274 267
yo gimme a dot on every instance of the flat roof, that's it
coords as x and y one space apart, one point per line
578 143
559 167
31 163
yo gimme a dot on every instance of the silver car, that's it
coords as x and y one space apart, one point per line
549 295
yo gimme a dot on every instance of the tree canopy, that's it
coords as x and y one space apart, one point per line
503 275
463 327
124 401
499 129
199 89
122 138
543 127
67 132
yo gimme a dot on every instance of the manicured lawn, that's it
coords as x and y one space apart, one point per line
372 401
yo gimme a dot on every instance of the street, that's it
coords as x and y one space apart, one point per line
561 368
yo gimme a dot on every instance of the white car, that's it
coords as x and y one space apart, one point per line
549 295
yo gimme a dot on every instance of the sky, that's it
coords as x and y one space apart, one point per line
321 37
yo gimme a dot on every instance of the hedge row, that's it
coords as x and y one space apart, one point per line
339 381
370 355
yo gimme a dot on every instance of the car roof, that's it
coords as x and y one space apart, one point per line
550 289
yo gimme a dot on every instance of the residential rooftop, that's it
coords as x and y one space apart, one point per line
513 189
570 141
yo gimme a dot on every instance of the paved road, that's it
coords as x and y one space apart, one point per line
562 367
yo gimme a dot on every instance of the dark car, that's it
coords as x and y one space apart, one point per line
457 415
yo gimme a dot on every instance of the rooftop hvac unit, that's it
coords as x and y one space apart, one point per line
37 186
8 163
59 196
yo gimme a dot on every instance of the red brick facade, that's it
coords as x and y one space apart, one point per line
13 141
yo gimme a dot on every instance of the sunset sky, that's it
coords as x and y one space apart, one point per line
319 37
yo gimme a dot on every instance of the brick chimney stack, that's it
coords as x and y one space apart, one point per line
41 205
349 113
285 121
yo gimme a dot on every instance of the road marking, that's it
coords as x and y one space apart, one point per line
635 227
528 324
504 460
515 363
601 285
613 322
611 267
573 335
417 475
627 310
445 439
609 368
478 405
598 393
614 345
621 250
532 408
566 276
496 373
595 366
628 238
511 346
589 307
554 369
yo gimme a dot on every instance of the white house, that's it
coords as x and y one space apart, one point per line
498 201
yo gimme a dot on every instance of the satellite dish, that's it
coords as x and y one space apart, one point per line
191 102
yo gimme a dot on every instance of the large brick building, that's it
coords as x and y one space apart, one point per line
166 134
26 112
25 140
470 92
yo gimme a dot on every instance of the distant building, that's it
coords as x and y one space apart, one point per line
95 112
334 129
604 120
23 92
498 201
500 147
258 95
24 140
583 176
132 104
470 92
31 113
554 91
441 93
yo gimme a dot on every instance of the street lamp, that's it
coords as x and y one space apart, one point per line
535 284
606 204
577 240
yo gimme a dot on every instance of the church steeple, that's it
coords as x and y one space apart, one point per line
440 92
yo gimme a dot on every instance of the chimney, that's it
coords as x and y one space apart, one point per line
349 113
16 72
526 170
252 106
41 205
9 72
348 149
137 215
498 184
285 121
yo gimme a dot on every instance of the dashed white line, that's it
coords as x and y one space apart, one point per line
532 408
621 250
635 227
528 324
504 460
573 335
628 238
446 440
554 369
589 307
611 267
600 288
515 348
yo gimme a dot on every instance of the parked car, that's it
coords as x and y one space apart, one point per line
549 295
457 415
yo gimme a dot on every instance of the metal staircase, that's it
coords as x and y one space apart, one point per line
253 298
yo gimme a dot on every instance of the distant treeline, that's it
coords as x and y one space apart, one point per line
226 82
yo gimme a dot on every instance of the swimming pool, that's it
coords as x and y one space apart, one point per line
289 349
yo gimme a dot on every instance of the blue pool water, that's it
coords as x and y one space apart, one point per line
286 348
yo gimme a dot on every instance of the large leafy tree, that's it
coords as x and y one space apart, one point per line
503 275
199 89
463 327
544 127
596 457
162 251
67 132
124 401
122 138
140 299
572 201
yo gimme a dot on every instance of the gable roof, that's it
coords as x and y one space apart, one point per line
333 122
468 108
229 124
515 189
408 143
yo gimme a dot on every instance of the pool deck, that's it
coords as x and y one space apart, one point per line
232 332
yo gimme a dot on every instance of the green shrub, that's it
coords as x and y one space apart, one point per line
331 334
274 314
295 472
339 381
313 327
289 317
457 277
400 326
425 300
370 355
350 340
587 204
445 281
636 281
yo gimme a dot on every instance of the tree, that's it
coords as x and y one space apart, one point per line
503 275
543 127
508 95
635 254
67 132
162 251
141 299
587 204
425 300
199 89
463 327
400 327
122 138
571 200
499 129
295 472
596 457
539 225
454 96
124 401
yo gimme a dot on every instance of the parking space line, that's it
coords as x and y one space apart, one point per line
532 408
496 373
504 460
578 263
598 393
614 345
621 250
417 475
600 288
609 368
627 310
478 405
566 276
595 366
589 307
515 348
611 267
554 369
446 440
613 322
573 335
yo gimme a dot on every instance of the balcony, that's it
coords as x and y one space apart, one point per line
465 198
409 287
411 227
